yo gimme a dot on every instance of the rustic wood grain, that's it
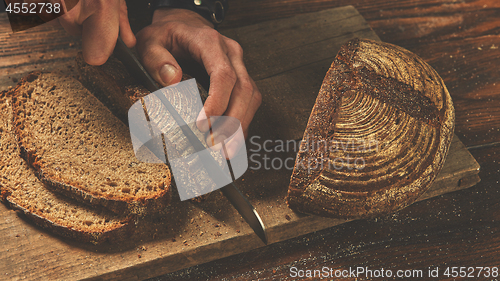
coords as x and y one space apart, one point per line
46 47
460 39
445 231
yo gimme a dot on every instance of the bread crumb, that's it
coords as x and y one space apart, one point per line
287 217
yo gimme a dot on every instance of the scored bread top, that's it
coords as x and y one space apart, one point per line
81 149
377 136
22 190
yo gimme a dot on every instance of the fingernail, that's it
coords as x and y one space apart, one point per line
167 73
216 142
202 121
219 139
233 146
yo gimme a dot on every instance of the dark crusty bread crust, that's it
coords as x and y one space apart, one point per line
23 191
80 148
377 136
109 83
114 86
117 89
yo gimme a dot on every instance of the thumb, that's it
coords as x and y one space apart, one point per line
161 65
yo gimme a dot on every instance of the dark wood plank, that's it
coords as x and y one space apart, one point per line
459 38
468 68
456 229
46 47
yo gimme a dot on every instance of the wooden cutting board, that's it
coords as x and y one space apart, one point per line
288 59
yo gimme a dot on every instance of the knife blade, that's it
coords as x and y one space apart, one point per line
230 191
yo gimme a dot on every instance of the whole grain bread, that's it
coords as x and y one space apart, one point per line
377 136
23 191
77 146
109 83
117 89
114 86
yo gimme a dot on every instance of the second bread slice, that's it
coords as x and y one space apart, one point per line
81 149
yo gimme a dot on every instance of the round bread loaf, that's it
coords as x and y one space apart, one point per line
377 136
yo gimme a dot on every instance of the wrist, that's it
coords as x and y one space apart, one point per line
213 11
177 14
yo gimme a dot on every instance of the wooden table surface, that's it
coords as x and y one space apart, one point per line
461 40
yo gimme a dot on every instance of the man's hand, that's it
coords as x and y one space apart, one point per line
179 33
99 22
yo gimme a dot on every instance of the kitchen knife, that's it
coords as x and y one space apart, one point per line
230 191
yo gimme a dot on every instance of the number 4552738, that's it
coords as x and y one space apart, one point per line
477 271
33 8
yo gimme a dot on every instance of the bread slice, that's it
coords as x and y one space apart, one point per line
80 148
377 136
22 190
114 86
109 83
118 90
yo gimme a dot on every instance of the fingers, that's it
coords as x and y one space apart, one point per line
99 35
70 17
126 33
245 97
157 60
239 99
99 22
253 106
223 77
226 136
244 102
232 92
